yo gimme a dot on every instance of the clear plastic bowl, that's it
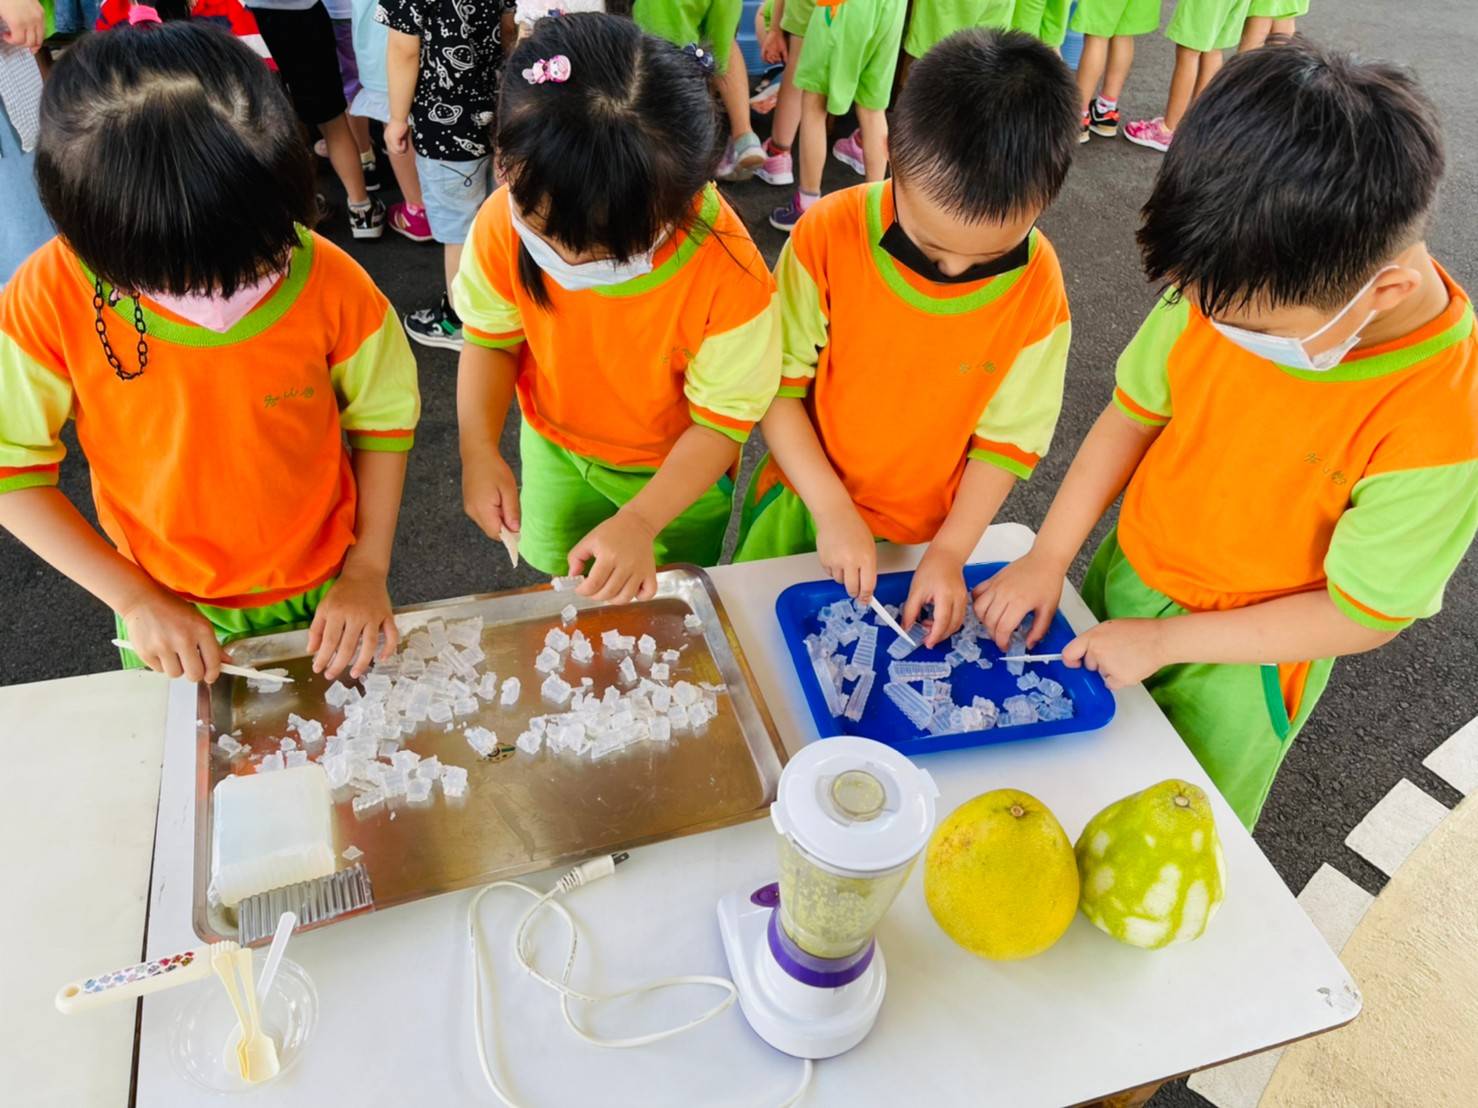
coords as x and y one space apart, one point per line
205 1030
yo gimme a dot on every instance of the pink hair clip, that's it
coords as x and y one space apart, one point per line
555 69
142 13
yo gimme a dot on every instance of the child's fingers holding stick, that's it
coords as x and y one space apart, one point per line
490 495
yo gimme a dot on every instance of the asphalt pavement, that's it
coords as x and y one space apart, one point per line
1383 711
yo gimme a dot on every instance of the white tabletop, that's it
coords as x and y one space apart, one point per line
1086 1018
82 781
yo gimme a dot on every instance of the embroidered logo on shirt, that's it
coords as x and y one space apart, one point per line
983 367
271 400
1336 476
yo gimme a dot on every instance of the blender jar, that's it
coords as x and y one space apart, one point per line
852 815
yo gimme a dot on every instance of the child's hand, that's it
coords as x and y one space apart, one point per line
848 552
349 622
625 568
490 494
398 136
1028 586
772 46
171 636
27 27
1121 651
939 580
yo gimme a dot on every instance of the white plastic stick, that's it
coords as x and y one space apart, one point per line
882 614
285 924
234 671
1032 658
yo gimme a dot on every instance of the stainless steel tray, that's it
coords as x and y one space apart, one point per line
521 813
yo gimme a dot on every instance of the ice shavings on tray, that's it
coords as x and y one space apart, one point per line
922 691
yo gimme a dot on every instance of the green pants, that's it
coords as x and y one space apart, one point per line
1207 24
292 614
851 54
935 20
566 494
1111 18
1045 19
774 525
1278 9
1233 717
711 23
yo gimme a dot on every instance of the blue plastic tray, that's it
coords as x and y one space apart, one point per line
796 607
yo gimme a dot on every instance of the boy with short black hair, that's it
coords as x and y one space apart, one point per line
1295 422
924 329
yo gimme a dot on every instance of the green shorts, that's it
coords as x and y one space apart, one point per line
851 53
711 23
1043 19
1278 9
796 16
935 20
1207 24
1234 718
1108 18
566 494
774 525
292 614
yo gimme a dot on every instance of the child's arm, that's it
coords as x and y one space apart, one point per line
773 45
844 543
1289 629
402 65
1033 583
940 580
625 566
167 633
356 610
485 380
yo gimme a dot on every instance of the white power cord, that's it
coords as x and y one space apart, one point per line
583 874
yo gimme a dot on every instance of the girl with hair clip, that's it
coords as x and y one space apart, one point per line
610 285
212 352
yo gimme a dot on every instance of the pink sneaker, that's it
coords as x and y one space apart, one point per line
778 168
1150 132
848 151
410 222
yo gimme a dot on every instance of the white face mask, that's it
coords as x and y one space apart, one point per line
1289 351
580 275
214 312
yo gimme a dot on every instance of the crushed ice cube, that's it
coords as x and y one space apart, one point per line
511 688
453 781
352 853
296 758
267 680
418 791
646 646
556 689
367 802
556 639
529 742
659 671
567 584
627 670
692 623
569 613
581 651
271 762
483 741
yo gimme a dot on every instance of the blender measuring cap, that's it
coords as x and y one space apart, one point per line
855 804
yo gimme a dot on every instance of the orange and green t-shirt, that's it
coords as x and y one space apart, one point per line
221 470
907 379
1268 480
618 373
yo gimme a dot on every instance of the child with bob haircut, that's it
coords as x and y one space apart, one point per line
212 352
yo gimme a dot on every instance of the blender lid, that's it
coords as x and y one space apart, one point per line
855 804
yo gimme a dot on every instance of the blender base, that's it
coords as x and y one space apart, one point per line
798 1019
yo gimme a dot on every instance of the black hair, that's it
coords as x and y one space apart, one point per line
986 125
1293 178
170 160
612 157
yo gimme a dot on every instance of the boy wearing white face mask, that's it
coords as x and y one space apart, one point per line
1295 422
610 285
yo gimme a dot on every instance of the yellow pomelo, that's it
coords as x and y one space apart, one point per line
1000 877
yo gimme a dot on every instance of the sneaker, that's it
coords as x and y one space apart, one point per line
321 148
778 168
367 222
742 156
848 151
1103 123
786 217
1150 132
412 223
438 326
1084 133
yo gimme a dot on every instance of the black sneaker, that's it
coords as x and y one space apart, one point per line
367 222
1083 134
438 326
1102 123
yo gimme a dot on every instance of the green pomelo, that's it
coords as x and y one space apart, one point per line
1151 866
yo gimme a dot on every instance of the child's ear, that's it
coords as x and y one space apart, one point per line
1394 286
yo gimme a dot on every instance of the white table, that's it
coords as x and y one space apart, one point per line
1087 1018
77 821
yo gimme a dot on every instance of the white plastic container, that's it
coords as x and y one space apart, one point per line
271 829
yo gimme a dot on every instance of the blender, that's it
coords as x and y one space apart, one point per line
852 815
